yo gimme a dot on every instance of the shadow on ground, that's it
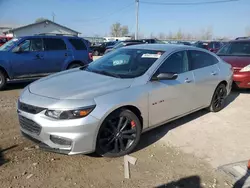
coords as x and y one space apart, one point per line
13 85
2 158
188 182
156 134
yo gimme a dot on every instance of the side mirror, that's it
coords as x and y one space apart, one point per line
164 76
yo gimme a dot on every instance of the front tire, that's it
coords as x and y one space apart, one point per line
219 98
3 80
119 134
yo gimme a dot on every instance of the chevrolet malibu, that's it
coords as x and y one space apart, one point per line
106 106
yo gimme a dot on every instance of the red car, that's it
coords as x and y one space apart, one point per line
4 39
237 53
212 46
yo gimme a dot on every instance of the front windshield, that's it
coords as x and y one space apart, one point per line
125 63
9 44
240 48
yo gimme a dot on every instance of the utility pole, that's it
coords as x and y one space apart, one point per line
53 16
137 19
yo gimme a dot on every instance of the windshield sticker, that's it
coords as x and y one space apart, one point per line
157 56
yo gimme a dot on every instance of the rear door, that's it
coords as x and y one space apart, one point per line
206 74
80 50
55 54
30 60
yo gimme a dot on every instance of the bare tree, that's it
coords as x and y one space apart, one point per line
40 19
179 34
117 30
207 34
170 35
124 31
162 36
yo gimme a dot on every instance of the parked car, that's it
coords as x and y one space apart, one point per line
4 39
212 46
184 43
100 49
237 54
152 41
123 44
107 105
36 56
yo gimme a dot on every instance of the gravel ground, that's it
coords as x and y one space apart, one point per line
159 164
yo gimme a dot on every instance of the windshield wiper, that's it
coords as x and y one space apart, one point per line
106 73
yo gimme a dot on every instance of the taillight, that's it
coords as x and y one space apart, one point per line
90 56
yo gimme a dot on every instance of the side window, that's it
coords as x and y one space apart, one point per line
78 44
176 63
201 59
53 44
32 45
25 46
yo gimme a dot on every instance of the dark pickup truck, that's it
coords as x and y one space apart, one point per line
100 49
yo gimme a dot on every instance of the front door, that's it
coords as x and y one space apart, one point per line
171 98
29 61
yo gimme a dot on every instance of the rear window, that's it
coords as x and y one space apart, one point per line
52 44
78 44
239 48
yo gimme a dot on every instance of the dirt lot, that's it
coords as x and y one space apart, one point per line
160 162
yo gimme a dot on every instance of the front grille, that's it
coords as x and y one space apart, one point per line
29 108
29 125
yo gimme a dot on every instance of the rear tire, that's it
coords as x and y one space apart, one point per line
219 98
74 65
3 80
119 134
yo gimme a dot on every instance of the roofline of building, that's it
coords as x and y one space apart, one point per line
11 30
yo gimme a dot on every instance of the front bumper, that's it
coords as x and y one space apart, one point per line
242 79
76 136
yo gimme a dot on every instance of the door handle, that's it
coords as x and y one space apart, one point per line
213 73
187 80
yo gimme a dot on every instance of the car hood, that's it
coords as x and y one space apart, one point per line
77 84
236 61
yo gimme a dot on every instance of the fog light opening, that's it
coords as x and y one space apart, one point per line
60 140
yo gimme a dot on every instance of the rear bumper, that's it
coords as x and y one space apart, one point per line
242 79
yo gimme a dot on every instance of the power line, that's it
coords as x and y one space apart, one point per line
100 18
190 3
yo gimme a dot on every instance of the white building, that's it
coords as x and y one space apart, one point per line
43 27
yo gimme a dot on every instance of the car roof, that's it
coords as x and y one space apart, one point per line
241 40
162 47
50 36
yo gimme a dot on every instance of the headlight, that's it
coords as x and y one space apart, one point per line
69 114
245 69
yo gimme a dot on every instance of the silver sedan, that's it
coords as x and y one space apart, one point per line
106 106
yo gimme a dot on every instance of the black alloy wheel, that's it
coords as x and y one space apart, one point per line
219 98
119 134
